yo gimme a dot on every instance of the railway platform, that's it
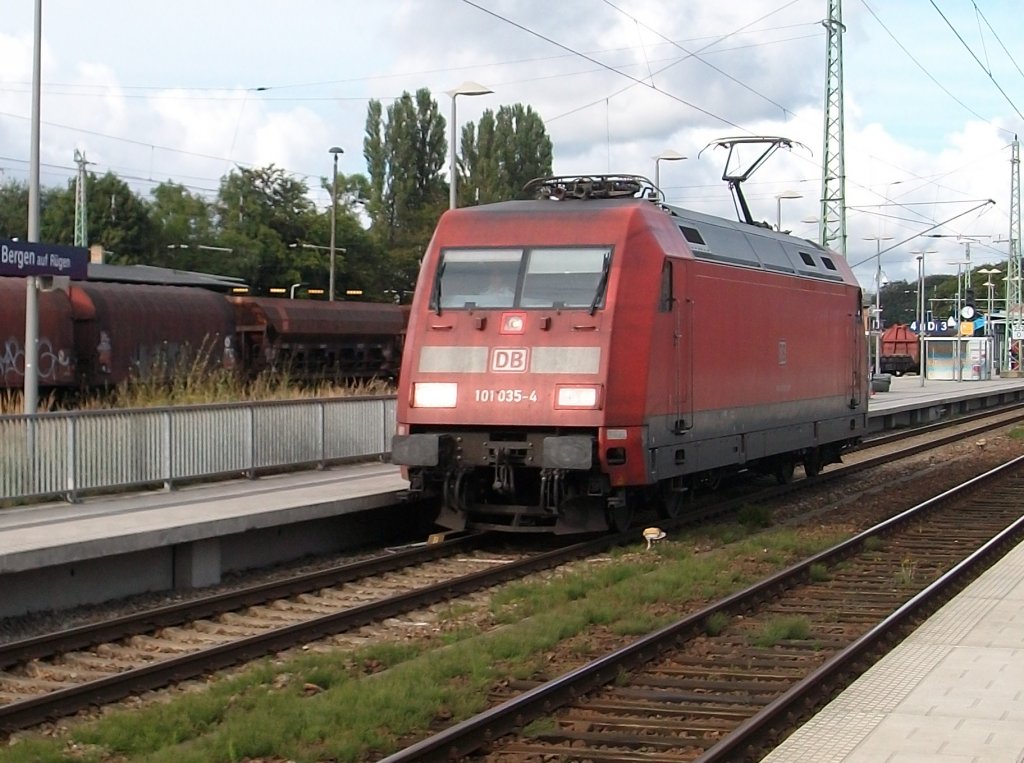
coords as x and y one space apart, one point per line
109 546
951 692
910 401
120 545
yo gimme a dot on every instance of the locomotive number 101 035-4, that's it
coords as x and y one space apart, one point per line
504 396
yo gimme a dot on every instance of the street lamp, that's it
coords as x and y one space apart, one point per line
988 273
959 285
204 247
665 156
466 88
921 355
332 249
778 206
334 150
291 291
878 298
920 317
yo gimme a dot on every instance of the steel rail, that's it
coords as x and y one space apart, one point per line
22 714
469 735
807 691
26 713
89 635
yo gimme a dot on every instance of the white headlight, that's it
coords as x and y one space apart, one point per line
577 397
434 394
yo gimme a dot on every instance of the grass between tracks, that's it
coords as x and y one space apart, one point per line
358 705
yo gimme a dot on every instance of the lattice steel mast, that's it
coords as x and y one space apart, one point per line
81 215
832 225
1014 306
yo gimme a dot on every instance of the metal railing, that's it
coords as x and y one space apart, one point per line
66 454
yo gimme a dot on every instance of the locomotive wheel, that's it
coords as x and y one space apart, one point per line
783 470
812 463
671 502
710 481
620 514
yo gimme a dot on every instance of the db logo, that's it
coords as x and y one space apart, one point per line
509 359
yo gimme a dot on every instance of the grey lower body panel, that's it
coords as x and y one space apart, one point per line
734 437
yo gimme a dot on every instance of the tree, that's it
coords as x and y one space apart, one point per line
116 218
504 153
405 157
259 212
121 221
182 221
14 210
899 303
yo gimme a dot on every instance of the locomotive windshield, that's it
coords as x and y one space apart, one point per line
538 277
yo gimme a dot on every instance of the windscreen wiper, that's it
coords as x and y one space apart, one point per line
601 284
436 295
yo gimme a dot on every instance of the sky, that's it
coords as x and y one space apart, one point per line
185 91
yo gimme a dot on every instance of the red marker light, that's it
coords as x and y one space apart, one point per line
513 323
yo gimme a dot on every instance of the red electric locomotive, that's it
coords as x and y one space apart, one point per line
576 355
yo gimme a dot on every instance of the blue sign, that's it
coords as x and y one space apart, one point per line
22 258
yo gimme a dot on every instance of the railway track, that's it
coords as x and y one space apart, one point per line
59 674
55 675
954 427
715 685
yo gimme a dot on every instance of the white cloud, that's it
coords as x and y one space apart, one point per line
152 95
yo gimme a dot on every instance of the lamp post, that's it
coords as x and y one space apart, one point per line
989 329
778 206
466 88
988 273
665 156
878 298
30 394
334 150
920 317
959 285
922 356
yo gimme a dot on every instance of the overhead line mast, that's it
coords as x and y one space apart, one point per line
832 224
1014 306
81 212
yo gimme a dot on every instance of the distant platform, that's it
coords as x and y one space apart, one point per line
911 402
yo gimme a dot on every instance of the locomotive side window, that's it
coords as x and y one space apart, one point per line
566 277
808 259
477 278
692 235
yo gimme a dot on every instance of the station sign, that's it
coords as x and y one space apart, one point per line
24 258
